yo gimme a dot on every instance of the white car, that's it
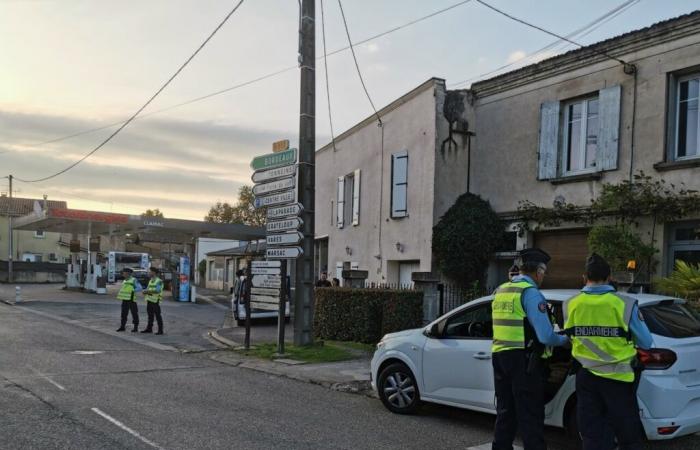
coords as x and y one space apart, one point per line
449 362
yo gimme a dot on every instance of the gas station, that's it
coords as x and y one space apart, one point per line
94 224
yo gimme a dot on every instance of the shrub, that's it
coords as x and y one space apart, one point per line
365 315
683 282
618 244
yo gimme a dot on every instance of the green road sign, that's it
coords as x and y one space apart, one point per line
284 158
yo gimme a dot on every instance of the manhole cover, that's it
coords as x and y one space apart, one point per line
87 352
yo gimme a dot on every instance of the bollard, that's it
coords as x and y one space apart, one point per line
18 294
193 294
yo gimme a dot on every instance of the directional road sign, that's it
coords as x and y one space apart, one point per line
266 264
275 199
273 174
265 270
284 252
284 211
265 291
267 281
284 239
271 160
265 306
291 224
274 186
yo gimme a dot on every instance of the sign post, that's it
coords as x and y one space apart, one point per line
282 310
248 278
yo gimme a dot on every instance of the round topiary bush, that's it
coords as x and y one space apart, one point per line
465 238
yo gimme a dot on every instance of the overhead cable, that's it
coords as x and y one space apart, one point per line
325 65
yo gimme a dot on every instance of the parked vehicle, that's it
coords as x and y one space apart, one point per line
449 362
239 312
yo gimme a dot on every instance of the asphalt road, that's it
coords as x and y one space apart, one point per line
80 385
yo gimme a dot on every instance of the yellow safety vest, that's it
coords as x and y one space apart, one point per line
152 285
126 292
599 328
509 317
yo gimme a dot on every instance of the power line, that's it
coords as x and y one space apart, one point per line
128 121
325 65
261 78
551 33
581 32
357 66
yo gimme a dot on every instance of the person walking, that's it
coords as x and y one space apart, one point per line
323 282
126 294
605 327
521 330
154 295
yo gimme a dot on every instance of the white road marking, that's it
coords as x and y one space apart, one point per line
87 352
46 377
125 428
487 446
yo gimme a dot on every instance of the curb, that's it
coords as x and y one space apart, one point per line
214 334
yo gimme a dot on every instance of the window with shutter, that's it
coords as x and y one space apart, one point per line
399 184
686 135
609 124
549 140
340 223
356 198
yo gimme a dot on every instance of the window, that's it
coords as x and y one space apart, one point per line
348 206
684 244
399 184
52 257
580 135
473 322
39 234
687 129
670 319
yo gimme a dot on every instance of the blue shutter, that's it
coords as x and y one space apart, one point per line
549 141
399 184
609 132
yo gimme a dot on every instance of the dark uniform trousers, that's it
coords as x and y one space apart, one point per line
519 401
130 305
603 404
153 309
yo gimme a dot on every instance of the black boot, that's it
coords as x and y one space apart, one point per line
121 328
147 330
136 329
160 332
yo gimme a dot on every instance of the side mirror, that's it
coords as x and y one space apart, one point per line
434 331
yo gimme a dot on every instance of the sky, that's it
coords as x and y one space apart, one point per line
67 66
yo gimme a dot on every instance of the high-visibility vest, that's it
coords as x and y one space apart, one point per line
152 286
598 325
126 292
509 317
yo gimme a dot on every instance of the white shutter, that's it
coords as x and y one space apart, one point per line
549 141
341 202
399 184
609 131
356 198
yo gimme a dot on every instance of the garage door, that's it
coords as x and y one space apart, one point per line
569 250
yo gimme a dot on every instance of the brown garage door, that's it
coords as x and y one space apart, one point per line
568 249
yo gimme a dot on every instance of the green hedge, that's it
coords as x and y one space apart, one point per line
365 315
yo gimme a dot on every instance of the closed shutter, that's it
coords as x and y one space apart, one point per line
399 184
569 250
609 132
549 141
341 202
356 198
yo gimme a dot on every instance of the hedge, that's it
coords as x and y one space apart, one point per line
365 315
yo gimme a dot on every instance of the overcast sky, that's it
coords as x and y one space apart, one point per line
71 65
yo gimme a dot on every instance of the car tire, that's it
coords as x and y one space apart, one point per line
398 389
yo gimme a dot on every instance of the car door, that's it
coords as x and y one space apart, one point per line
457 362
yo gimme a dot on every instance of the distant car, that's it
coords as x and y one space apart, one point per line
449 362
239 312
142 276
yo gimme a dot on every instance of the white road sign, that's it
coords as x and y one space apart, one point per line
274 186
267 264
265 291
291 224
273 174
267 281
264 299
284 239
275 199
284 211
265 270
284 252
265 306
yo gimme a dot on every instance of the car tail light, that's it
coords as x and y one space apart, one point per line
665 431
656 358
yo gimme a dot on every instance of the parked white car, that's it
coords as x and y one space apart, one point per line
449 362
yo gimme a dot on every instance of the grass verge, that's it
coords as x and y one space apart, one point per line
317 353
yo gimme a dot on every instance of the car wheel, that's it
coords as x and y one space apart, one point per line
398 389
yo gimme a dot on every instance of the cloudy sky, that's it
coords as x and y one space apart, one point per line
67 66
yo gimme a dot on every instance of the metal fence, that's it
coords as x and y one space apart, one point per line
451 296
397 286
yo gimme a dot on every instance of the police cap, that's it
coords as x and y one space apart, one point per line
127 270
534 255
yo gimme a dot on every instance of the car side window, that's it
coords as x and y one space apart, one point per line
472 323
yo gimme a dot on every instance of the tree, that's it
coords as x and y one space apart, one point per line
244 212
465 238
618 244
153 213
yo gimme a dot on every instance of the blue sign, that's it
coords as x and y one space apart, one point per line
184 279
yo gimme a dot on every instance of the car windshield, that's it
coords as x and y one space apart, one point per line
670 319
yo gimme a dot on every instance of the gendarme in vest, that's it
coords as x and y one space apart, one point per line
509 317
600 333
152 286
126 292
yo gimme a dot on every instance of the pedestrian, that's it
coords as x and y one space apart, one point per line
323 282
521 330
154 295
335 282
130 286
605 327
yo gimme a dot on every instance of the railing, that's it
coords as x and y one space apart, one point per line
397 286
452 296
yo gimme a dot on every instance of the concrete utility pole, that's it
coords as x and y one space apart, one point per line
11 249
304 292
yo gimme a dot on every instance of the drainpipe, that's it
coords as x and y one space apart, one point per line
631 69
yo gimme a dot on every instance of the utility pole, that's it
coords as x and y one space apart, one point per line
304 291
10 247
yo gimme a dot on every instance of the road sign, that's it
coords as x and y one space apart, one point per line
272 174
275 199
265 299
274 186
284 252
284 239
284 211
265 291
265 270
291 224
267 281
270 160
266 264
265 306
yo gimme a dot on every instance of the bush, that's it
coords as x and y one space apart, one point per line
618 244
365 315
683 282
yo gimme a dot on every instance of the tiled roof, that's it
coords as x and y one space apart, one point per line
23 206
